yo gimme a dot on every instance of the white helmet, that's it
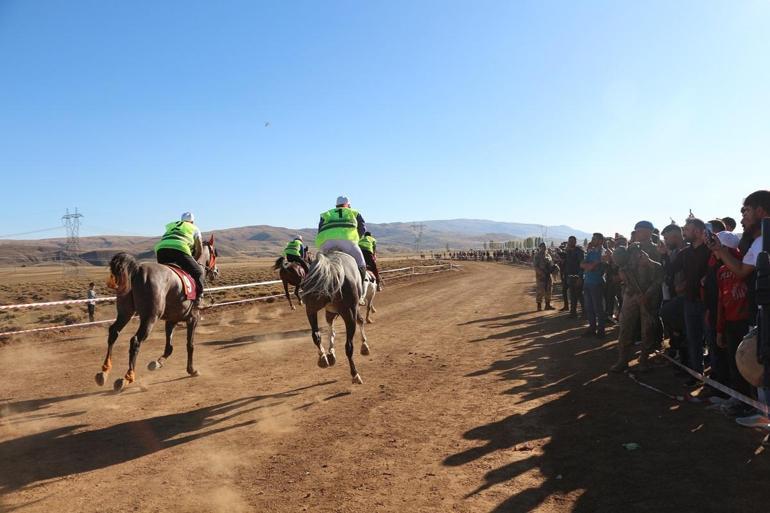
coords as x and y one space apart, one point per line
342 200
188 216
298 237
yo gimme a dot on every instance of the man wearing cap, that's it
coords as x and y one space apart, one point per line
543 264
296 251
643 234
643 277
340 229
368 245
182 245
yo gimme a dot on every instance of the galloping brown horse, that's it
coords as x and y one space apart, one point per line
290 273
152 291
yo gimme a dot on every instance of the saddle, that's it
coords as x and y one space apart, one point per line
188 284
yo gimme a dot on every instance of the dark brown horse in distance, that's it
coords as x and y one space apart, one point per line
152 291
290 273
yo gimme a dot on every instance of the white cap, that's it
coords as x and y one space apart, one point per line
342 200
728 239
188 216
298 237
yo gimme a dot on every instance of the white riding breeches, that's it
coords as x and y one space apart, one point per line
346 246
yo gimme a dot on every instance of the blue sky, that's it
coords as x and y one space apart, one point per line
592 114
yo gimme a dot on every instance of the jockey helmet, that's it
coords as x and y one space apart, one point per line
188 216
342 201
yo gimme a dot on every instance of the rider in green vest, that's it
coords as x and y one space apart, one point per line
368 245
340 229
296 251
182 245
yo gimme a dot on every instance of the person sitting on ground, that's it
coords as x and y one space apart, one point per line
182 244
296 252
368 245
340 228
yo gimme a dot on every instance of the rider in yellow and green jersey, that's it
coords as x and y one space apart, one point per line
340 229
182 245
368 245
296 251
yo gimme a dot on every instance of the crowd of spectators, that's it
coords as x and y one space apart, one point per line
692 284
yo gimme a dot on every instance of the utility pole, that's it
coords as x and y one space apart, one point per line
71 250
417 229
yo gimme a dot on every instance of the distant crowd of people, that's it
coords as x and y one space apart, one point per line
693 284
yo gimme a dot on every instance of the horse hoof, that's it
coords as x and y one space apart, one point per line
194 374
293 307
357 380
365 349
101 378
369 321
154 365
119 385
323 361
332 358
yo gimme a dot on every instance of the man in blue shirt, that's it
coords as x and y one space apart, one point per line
593 286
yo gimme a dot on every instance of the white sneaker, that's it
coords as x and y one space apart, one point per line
756 420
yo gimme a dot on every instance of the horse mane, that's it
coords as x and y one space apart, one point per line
325 278
122 268
278 263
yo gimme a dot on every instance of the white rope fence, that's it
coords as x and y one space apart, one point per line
410 271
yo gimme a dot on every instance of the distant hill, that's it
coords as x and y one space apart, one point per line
263 240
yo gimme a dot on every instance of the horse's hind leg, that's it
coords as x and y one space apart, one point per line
115 327
192 322
296 293
145 326
157 364
369 310
286 291
364 345
350 317
323 360
330 316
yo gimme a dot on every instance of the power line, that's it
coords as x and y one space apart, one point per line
30 232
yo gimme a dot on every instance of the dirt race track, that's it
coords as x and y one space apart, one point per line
471 402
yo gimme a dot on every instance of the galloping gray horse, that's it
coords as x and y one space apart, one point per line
334 284
152 291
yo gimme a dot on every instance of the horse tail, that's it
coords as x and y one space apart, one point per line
278 263
122 269
325 278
